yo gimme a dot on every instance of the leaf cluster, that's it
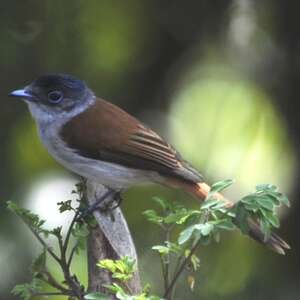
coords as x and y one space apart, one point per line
122 270
63 255
195 227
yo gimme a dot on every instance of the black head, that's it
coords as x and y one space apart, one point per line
55 92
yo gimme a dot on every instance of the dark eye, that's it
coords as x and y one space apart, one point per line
55 96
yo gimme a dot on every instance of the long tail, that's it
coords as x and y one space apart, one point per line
274 242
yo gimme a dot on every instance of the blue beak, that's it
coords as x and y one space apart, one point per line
22 94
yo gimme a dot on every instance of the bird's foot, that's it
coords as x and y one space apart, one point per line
97 205
103 207
117 200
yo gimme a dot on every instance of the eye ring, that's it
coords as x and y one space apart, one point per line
55 97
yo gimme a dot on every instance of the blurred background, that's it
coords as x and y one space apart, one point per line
219 79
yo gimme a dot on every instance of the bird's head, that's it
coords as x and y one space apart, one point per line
55 96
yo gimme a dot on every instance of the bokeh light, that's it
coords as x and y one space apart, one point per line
228 127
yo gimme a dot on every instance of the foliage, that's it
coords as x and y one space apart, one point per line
185 231
195 227
122 270
42 277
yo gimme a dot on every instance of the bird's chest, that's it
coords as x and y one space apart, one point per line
50 136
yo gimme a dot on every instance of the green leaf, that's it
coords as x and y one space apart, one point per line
177 216
164 204
205 229
272 219
65 206
241 218
209 204
195 261
153 217
252 207
39 264
96 296
186 234
249 199
31 219
220 186
188 216
166 249
121 269
56 231
163 250
107 264
265 202
26 290
225 224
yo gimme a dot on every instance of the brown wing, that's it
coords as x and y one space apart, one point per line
105 132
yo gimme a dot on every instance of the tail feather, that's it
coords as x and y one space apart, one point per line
274 242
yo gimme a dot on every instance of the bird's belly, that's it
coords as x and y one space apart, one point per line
109 174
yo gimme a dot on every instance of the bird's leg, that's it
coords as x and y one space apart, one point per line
118 199
96 205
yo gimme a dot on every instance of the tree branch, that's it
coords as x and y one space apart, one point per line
110 239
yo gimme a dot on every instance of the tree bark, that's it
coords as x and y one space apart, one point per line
110 239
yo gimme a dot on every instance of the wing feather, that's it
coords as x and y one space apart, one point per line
148 144
106 132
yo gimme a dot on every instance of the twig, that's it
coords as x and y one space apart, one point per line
166 261
71 255
164 273
45 245
181 268
68 235
53 282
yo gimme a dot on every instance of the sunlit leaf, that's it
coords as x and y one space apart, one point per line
220 186
96 296
186 234
265 202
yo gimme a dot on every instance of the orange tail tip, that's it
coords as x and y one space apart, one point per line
203 190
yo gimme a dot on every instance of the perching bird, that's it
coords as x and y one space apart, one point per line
103 143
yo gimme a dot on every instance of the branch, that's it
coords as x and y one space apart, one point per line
181 268
44 244
110 239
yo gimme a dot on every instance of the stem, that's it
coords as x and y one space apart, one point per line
52 281
164 274
71 280
166 262
45 245
181 268
68 235
71 255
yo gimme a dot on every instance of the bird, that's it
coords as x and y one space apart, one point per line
101 142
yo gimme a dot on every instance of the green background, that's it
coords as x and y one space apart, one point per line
218 79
